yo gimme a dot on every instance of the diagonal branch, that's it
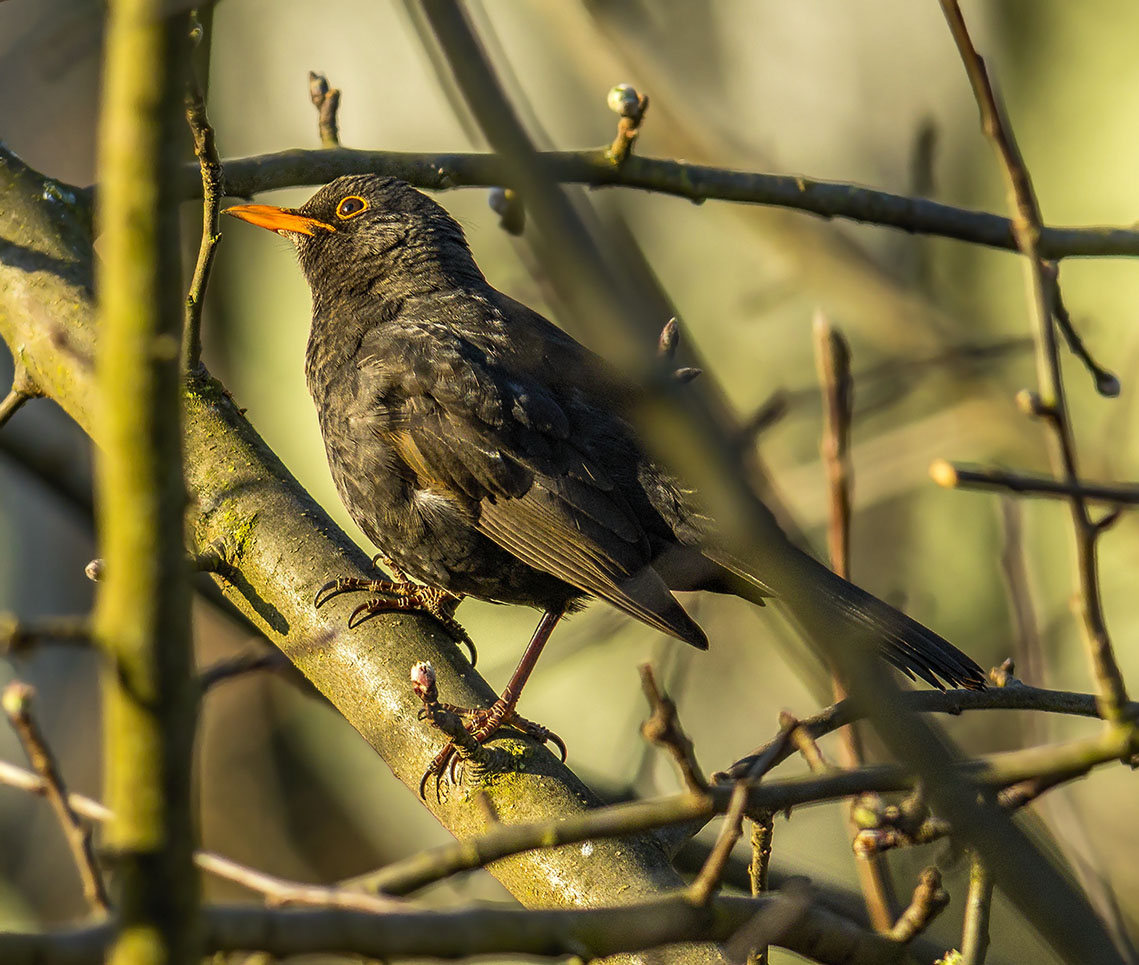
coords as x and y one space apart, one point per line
17 704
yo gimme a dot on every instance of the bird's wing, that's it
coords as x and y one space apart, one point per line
520 456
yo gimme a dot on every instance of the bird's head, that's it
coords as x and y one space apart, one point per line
361 230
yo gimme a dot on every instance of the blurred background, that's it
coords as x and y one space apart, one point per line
862 91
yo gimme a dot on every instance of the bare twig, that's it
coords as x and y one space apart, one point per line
953 476
630 106
888 826
281 891
1018 697
326 100
241 664
1027 226
833 360
978 904
1106 383
830 199
17 705
804 743
23 388
708 880
707 883
928 902
762 833
663 729
25 780
213 188
18 636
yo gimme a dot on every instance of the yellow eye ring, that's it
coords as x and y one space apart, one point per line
351 206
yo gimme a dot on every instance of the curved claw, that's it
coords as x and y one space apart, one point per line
470 645
332 588
437 768
363 611
559 744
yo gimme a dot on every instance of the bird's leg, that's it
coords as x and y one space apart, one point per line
400 594
483 723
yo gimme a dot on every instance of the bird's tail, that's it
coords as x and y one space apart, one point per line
911 647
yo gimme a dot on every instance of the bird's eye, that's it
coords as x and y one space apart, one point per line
350 207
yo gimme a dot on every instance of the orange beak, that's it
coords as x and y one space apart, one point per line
281 220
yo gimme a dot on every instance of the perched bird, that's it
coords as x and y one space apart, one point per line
486 453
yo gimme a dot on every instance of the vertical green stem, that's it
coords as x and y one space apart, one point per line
978 905
142 615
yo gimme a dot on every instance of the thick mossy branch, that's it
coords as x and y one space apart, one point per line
284 548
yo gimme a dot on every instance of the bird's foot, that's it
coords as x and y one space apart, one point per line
400 594
469 729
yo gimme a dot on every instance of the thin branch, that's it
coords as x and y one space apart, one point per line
1106 383
326 100
887 827
1059 762
830 199
929 901
978 905
213 189
17 702
281 891
707 883
954 476
804 743
833 361
19 636
663 729
241 664
23 388
1017 697
11 404
25 780
1027 228
583 932
762 833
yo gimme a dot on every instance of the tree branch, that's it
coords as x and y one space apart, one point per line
213 189
1027 227
17 704
829 199
585 933
952 476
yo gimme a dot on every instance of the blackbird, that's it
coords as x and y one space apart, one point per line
486 453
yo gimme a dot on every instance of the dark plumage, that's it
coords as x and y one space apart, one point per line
484 450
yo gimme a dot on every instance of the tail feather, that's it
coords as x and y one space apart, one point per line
911 647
